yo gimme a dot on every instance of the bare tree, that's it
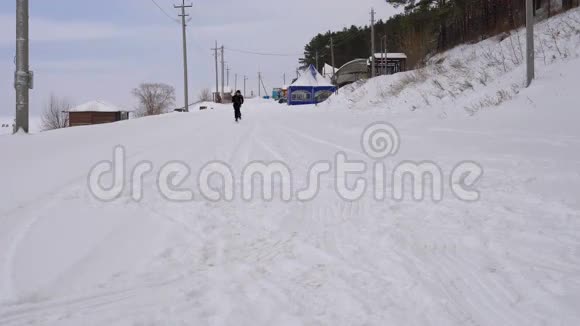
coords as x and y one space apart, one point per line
205 95
55 113
154 99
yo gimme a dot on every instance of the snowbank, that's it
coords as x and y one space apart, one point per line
469 78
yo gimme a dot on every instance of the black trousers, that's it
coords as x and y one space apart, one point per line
238 112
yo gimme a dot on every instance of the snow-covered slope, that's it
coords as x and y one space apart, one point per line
469 78
511 258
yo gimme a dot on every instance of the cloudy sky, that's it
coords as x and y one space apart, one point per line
86 50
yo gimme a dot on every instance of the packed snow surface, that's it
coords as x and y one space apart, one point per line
511 258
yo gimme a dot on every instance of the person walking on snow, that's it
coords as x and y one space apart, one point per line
238 100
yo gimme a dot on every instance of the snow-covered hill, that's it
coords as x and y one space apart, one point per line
469 78
510 258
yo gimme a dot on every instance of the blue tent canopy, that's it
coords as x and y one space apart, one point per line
310 88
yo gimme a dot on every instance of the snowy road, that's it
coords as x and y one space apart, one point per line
512 258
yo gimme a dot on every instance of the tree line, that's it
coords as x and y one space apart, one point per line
428 27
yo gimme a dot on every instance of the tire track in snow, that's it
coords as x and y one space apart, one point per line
75 306
24 225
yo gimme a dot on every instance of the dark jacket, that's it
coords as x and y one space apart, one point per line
238 100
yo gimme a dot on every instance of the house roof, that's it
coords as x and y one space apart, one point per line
310 77
391 55
98 106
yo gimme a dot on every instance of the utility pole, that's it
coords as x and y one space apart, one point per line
184 35
245 80
332 57
530 42
23 78
236 83
223 77
265 90
259 84
386 55
373 42
228 70
284 80
317 67
216 73
382 56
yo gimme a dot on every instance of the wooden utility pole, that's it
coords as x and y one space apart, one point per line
184 35
381 68
259 84
245 80
317 67
223 72
228 73
373 42
23 78
236 83
265 90
216 73
530 42
386 54
332 57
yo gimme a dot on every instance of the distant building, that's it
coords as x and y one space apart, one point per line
388 63
226 98
96 112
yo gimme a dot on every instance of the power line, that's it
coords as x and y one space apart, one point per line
165 12
264 53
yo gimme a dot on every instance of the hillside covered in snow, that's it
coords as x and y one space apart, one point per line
469 78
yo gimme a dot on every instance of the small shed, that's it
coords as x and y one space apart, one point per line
310 88
388 63
96 112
